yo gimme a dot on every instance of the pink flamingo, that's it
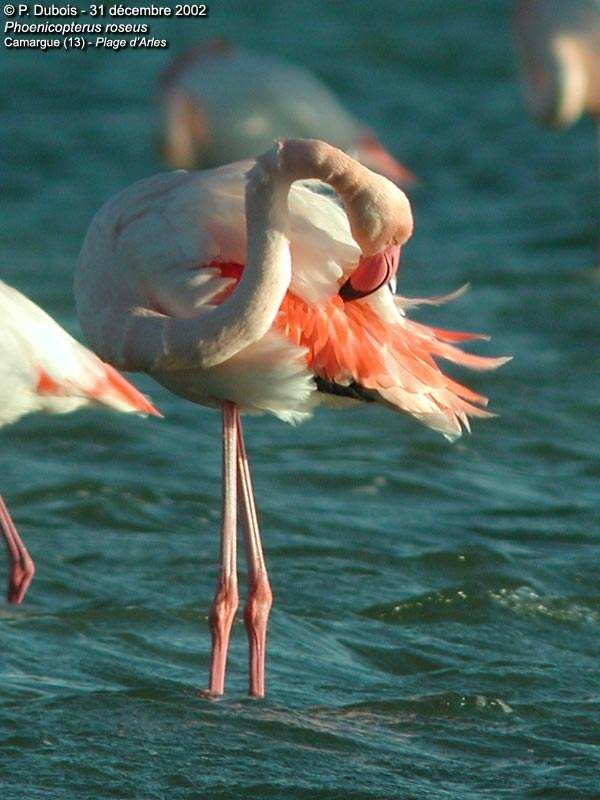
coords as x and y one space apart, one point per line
219 103
559 51
266 301
558 43
44 369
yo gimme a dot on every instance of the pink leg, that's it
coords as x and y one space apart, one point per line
260 597
226 599
22 567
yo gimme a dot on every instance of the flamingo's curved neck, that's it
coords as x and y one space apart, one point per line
268 272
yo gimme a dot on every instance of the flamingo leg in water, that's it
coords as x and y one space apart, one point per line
258 604
22 568
226 599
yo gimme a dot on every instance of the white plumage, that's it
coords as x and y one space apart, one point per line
42 368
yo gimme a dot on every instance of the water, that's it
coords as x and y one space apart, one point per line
435 632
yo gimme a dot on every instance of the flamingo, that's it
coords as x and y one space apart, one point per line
238 288
220 104
42 368
559 51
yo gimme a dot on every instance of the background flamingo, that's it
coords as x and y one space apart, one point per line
248 305
42 368
559 53
219 104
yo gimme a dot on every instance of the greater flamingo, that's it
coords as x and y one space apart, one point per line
241 302
220 103
558 43
559 52
42 368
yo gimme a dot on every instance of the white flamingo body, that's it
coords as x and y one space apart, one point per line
42 368
220 104
181 221
273 95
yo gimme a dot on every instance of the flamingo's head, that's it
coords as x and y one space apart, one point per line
378 211
381 222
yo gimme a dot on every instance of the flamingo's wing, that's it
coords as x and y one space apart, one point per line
322 248
369 347
160 233
369 350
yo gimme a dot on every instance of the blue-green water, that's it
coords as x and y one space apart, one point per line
435 631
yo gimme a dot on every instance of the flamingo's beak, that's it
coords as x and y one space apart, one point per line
372 273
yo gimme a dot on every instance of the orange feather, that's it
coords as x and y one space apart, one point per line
347 342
